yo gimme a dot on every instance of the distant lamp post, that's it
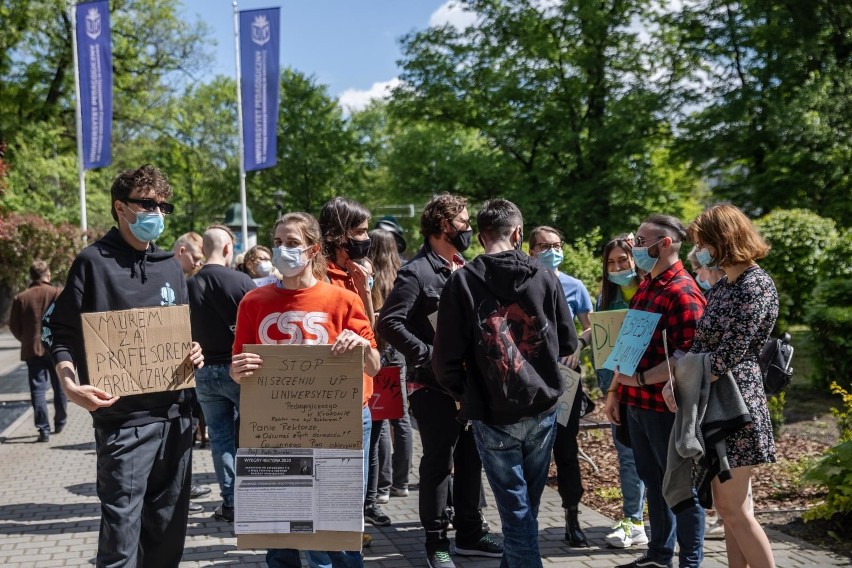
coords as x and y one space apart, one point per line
234 221
279 196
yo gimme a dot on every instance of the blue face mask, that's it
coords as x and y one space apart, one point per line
704 257
622 277
552 258
370 282
704 284
643 259
148 226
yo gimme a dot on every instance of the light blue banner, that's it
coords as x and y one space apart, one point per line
633 339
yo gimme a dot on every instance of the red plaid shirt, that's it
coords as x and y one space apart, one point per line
675 295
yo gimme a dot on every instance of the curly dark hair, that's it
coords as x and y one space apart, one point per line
337 217
144 177
443 206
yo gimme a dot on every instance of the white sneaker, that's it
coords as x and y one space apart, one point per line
715 530
627 534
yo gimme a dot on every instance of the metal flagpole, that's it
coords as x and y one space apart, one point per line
84 225
240 129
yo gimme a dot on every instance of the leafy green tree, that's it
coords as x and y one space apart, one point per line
561 91
771 86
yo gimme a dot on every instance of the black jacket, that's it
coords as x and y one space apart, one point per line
112 275
502 324
404 317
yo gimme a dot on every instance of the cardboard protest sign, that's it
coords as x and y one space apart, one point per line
141 350
633 339
386 402
305 397
605 328
572 382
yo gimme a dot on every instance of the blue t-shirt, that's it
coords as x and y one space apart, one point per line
575 292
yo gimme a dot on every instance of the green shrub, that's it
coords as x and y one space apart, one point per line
582 262
776 406
23 238
833 472
837 260
844 414
830 318
800 240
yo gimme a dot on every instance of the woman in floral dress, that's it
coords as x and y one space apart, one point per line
741 311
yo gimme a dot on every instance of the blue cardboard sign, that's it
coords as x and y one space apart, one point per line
633 339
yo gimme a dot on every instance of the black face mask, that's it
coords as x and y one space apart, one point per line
357 249
461 240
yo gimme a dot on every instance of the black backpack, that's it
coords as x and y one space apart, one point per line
775 359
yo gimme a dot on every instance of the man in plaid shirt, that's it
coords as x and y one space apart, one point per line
668 289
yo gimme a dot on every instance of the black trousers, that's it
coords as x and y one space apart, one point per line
143 485
447 443
565 451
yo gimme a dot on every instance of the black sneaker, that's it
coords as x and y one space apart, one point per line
486 546
197 491
43 436
646 561
223 513
376 517
58 428
440 557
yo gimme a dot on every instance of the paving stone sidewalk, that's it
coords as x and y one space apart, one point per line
49 513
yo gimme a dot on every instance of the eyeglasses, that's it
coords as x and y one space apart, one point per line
151 205
547 246
641 242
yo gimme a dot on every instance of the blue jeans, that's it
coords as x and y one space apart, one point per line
649 435
632 488
41 374
289 558
516 458
219 397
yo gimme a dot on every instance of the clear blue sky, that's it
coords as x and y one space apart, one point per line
345 44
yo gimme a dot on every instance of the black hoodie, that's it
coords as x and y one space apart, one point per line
502 324
112 275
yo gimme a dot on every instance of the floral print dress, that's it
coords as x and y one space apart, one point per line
737 321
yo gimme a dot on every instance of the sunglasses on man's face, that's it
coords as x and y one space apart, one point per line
152 205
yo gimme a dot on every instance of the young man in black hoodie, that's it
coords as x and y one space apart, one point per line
143 442
502 324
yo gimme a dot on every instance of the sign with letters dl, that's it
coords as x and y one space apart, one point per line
633 339
140 350
605 328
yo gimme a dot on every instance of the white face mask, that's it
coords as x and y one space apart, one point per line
264 268
289 261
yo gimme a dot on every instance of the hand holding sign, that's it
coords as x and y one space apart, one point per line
633 339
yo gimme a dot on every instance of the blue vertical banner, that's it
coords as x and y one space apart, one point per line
94 59
259 53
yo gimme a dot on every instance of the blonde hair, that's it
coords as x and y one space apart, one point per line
730 233
310 229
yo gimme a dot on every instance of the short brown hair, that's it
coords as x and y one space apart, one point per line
543 229
730 232
144 177
439 208
38 269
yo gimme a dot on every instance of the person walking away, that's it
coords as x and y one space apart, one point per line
503 323
669 290
143 443
449 451
215 293
742 309
28 308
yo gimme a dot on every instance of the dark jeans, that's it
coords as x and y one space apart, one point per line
649 436
42 373
219 397
448 446
565 451
374 469
143 484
